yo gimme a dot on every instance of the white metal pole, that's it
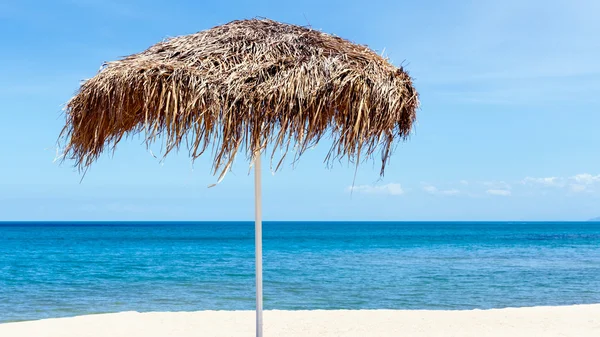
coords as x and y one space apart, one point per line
258 246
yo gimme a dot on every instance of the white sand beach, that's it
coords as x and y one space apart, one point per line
576 321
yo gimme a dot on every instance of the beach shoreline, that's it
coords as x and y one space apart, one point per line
575 320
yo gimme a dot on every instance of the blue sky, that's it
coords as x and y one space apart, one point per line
508 128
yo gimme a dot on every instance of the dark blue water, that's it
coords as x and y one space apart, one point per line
66 269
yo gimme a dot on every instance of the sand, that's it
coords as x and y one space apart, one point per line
576 321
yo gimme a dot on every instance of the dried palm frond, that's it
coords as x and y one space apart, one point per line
244 85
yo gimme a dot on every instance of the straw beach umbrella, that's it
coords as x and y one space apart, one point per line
242 87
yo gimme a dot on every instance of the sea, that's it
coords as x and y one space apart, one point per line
58 269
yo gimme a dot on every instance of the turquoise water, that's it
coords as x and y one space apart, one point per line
66 269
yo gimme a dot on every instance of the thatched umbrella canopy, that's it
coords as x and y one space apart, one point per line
245 85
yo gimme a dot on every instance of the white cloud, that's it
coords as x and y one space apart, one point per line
429 189
583 182
549 181
502 193
389 189
569 185
450 192
433 190
586 178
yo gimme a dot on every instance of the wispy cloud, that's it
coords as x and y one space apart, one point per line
548 181
586 178
583 182
502 193
577 184
389 189
435 191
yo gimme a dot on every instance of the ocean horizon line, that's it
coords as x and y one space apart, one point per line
294 221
